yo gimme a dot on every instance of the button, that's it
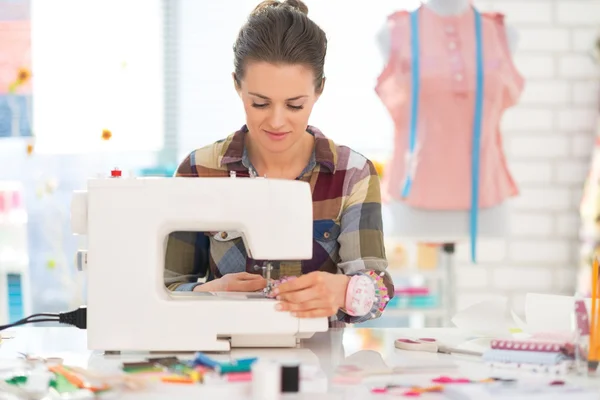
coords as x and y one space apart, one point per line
452 45
458 77
223 235
326 235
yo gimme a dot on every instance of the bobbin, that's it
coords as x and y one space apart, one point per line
290 378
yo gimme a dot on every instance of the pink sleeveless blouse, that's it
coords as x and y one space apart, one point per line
442 176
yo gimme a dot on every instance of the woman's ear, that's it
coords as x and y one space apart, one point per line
236 84
320 88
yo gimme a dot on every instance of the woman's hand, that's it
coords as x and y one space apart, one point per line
316 294
238 282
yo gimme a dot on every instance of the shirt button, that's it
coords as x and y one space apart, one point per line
458 77
326 235
452 45
223 235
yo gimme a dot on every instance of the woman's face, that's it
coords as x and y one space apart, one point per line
278 100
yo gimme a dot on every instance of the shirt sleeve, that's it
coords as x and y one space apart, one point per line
186 253
362 250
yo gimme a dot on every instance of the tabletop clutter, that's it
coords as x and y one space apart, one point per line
539 362
267 378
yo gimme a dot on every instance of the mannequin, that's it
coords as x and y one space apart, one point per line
446 7
432 225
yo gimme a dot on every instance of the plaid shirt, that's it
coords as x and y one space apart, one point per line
347 220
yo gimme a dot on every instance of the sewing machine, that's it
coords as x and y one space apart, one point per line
127 221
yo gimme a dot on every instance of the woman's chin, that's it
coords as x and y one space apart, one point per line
277 145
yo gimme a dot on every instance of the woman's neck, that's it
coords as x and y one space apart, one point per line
288 164
448 7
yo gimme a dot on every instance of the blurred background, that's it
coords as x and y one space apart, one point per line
89 85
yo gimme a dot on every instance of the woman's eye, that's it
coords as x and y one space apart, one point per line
263 105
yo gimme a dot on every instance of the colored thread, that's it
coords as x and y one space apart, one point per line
229 368
177 379
239 377
76 381
290 378
202 359
266 380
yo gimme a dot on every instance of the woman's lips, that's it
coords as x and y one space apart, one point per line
276 135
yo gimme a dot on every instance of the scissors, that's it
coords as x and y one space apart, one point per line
430 345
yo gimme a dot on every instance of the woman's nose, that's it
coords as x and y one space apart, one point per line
277 118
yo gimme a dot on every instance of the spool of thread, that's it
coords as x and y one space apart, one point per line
266 380
290 378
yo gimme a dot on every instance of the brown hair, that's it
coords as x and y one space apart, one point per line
281 32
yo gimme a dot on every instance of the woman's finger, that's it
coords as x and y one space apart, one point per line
247 285
302 282
249 277
303 306
301 296
317 313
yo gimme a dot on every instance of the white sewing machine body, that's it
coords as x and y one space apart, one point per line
127 222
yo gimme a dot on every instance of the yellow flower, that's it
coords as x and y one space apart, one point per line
379 166
29 149
23 75
106 134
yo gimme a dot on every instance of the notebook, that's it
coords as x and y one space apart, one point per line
562 368
532 345
524 357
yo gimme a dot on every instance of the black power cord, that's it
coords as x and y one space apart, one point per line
77 318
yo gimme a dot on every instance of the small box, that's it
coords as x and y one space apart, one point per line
427 256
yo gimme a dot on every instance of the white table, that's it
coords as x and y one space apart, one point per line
367 347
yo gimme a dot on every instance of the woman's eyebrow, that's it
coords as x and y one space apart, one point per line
266 98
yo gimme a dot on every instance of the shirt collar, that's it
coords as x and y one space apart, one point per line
324 152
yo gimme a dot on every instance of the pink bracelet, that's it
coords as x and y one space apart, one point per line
360 296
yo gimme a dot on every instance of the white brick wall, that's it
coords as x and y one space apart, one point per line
548 141
548 137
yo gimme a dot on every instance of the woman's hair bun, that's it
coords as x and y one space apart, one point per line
297 4
265 4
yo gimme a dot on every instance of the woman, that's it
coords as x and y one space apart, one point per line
279 58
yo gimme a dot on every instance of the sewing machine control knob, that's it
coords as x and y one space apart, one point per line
115 173
81 260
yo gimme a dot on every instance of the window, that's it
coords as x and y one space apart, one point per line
97 65
349 110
